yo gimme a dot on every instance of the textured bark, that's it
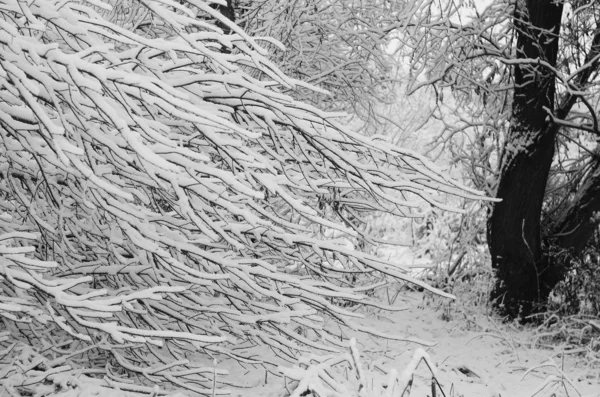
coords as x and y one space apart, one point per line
523 279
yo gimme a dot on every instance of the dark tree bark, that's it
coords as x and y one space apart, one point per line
524 280
228 12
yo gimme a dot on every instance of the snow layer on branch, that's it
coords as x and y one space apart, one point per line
155 185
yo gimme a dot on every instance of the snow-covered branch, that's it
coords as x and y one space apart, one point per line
171 190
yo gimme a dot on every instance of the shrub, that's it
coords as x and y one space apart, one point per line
158 194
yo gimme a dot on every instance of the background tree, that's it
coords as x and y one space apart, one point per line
523 76
164 203
339 46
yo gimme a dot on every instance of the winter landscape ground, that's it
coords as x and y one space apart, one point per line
474 354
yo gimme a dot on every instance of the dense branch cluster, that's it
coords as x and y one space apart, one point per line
346 48
157 199
464 51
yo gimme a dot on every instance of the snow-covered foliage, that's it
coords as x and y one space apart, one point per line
340 46
161 196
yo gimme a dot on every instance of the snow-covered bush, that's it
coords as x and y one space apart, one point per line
154 196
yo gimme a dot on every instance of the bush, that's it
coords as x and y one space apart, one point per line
159 192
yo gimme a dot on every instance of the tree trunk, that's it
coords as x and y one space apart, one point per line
523 280
228 12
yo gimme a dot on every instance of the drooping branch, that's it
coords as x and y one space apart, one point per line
182 199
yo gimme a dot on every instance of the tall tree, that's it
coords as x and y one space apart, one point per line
523 76
514 234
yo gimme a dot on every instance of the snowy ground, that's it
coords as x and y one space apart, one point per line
476 356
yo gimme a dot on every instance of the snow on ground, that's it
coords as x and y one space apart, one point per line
476 356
